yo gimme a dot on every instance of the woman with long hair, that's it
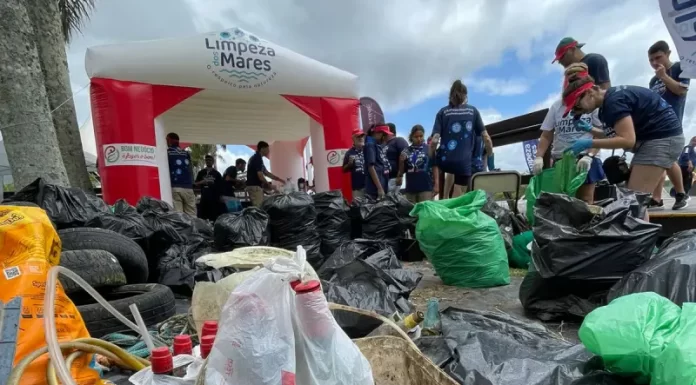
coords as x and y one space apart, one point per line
457 126
415 162
635 118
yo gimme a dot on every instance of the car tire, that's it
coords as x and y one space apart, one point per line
131 256
155 303
98 268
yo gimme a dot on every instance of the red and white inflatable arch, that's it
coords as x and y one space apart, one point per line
222 87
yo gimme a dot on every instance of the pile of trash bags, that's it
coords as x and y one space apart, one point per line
66 206
367 275
332 219
293 222
386 220
646 337
464 245
125 220
581 251
242 229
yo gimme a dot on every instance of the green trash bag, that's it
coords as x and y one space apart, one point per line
519 255
677 363
463 244
631 333
563 178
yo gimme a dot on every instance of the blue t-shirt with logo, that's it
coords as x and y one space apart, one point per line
478 154
458 127
677 102
180 167
687 155
653 117
376 155
357 172
395 146
418 169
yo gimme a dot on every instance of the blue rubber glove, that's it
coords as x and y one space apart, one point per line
491 162
580 145
583 125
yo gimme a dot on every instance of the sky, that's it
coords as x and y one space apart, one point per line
407 52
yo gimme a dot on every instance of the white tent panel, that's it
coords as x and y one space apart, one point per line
230 60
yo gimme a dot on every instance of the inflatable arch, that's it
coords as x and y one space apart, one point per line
223 87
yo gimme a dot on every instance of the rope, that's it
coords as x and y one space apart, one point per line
50 113
165 331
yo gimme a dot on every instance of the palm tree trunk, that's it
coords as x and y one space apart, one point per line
50 43
25 119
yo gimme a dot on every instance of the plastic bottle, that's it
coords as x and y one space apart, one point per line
193 370
209 328
407 324
432 325
206 345
162 361
182 345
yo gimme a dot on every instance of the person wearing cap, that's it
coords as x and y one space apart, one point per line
560 131
669 84
415 162
210 182
395 147
569 51
641 120
376 162
181 176
457 127
354 163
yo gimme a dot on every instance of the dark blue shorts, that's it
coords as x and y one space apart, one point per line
596 172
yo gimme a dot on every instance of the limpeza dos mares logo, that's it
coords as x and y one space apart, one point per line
240 59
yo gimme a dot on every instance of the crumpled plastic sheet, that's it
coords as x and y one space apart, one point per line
483 348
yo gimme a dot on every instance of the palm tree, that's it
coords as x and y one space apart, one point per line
199 151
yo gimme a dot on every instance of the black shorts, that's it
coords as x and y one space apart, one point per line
462 180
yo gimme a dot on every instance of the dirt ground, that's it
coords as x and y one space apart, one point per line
503 299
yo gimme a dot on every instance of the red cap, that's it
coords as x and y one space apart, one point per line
206 345
358 132
183 344
383 129
209 328
161 360
307 287
294 284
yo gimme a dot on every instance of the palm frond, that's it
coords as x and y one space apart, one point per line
73 14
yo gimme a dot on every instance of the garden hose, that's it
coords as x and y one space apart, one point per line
51 378
82 345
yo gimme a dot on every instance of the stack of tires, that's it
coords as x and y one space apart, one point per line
117 267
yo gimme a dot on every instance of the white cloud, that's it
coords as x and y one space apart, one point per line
499 87
490 115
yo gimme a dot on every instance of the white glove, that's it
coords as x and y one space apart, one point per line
584 164
538 165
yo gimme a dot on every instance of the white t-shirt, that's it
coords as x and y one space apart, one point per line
564 131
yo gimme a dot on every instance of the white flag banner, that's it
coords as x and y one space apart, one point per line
680 19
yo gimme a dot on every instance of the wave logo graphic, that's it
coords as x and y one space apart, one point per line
240 59
244 76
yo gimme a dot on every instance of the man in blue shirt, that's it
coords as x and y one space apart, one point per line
256 175
377 176
669 84
686 164
181 176
569 51
354 162
395 146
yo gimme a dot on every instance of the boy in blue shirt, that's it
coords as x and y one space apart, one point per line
377 175
354 162
415 161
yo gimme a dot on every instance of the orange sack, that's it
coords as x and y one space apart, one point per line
29 247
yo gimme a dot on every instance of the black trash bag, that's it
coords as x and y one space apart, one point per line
496 349
65 206
347 253
638 201
572 242
246 228
519 224
380 220
503 217
670 273
403 210
332 219
292 223
177 267
125 220
150 203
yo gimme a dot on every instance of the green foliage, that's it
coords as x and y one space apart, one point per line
199 151
73 14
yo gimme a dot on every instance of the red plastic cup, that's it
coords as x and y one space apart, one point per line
206 345
183 345
161 361
210 328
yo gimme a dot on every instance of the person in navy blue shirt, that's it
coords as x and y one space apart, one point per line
354 163
256 181
641 120
181 176
669 84
569 51
686 164
395 146
415 162
376 163
456 127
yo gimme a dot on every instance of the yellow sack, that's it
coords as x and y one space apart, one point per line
29 247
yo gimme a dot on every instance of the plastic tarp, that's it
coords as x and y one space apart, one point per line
66 207
463 244
578 255
563 178
367 275
292 222
246 228
644 336
332 219
670 273
495 349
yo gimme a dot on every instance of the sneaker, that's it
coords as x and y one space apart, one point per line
680 201
653 204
